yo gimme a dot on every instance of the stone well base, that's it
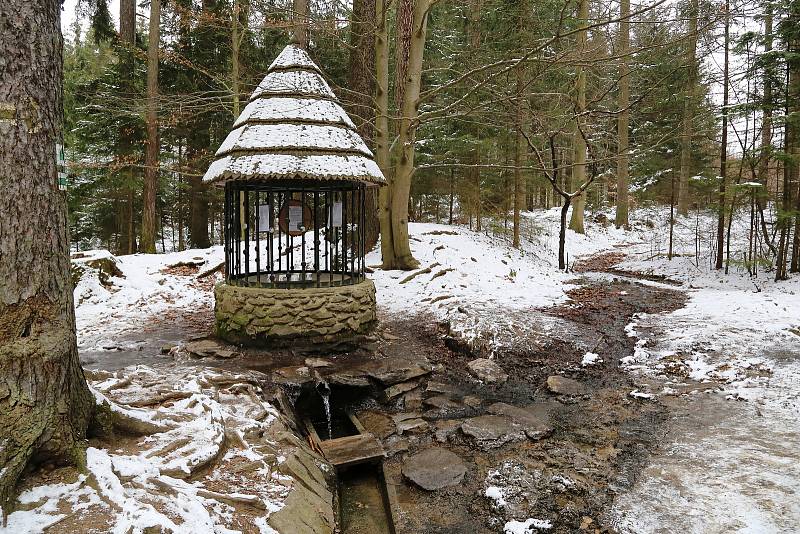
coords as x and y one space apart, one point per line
259 316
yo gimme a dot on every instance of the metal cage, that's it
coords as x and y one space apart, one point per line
294 234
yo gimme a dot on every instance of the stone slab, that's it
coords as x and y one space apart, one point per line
434 469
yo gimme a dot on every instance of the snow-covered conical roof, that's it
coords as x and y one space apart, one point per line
293 128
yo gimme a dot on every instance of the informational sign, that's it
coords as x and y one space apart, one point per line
61 167
336 215
296 218
264 219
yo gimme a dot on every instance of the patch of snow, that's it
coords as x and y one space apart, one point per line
526 527
591 358
496 494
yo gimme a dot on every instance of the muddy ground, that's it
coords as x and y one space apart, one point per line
600 436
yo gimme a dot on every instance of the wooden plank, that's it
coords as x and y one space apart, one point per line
351 450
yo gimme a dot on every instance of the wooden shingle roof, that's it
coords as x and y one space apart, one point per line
293 128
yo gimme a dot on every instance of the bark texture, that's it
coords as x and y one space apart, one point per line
406 137
127 21
579 142
688 111
359 97
300 22
621 216
382 132
149 223
45 404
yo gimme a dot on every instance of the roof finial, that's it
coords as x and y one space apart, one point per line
300 23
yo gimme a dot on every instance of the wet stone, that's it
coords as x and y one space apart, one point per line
439 387
392 371
445 429
292 375
377 424
564 386
443 403
412 401
396 444
492 431
397 390
318 362
411 426
487 370
534 420
205 348
434 469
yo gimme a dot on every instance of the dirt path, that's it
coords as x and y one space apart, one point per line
600 440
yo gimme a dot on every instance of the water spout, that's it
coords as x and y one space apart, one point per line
324 391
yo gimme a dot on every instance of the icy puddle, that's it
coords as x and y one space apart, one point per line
729 466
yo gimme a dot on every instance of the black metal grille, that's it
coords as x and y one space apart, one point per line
323 250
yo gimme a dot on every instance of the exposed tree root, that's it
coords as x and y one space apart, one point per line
421 271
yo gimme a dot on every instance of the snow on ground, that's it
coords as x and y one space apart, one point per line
212 420
737 334
725 466
105 313
482 286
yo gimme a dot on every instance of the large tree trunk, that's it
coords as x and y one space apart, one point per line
406 137
127 21
45 404
723 151
766 127
520 147
198 216
149 223
793 144
579 142
127 35
382 133
688 111
359 98
621 217
300 22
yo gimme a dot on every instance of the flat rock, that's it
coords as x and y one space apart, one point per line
472 401
318 362
434 469
443 403
396 444
445 429
440 387
393 371
487 370
412 401
396 390
378 424
205 348
291 375
411 426
534 420
561 385
349 377
492 431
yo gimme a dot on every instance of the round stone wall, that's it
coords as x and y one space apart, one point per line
259 316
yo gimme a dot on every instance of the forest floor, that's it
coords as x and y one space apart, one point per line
684 414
